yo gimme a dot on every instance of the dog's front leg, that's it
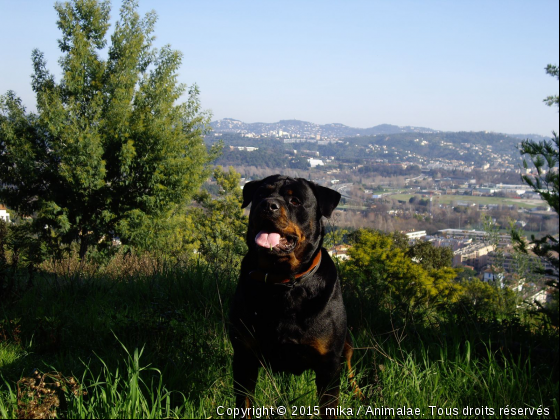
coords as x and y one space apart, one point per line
327 380
245 373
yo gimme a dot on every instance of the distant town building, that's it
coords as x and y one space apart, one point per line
475 255
340 252
247 148
543 296
4 215
509 262
315 162
475 235
491 275
452 243
414 236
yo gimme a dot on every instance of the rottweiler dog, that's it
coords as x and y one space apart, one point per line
287 312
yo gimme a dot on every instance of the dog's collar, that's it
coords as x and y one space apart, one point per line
276 279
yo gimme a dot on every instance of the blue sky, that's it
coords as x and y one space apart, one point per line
447 65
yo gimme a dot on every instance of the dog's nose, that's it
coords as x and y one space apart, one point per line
272 206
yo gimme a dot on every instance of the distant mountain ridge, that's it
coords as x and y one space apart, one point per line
305 128
230 125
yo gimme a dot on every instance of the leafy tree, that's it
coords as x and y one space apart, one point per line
466 274
553 71
19 255
543 156
400 240
334 235
380 270
483 300
431 257
218 225
111 150
4 286
492 230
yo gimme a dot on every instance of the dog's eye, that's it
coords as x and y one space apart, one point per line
294 201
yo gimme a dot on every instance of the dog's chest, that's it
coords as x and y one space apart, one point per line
283 326
285 344
283 317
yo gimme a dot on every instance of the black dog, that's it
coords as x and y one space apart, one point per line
287 311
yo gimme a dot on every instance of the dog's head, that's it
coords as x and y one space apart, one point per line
285 222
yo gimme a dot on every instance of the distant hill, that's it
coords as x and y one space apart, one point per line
308 129
535 137
361 146
304 128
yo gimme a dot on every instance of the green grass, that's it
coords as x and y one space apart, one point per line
449 199
155 346
349 207
10 353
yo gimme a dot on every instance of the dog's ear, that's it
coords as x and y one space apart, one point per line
327 199
249 191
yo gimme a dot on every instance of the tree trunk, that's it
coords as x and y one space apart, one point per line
83 246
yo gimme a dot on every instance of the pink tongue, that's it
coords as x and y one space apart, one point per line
267 240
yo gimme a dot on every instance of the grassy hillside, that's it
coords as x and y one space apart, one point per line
147 340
